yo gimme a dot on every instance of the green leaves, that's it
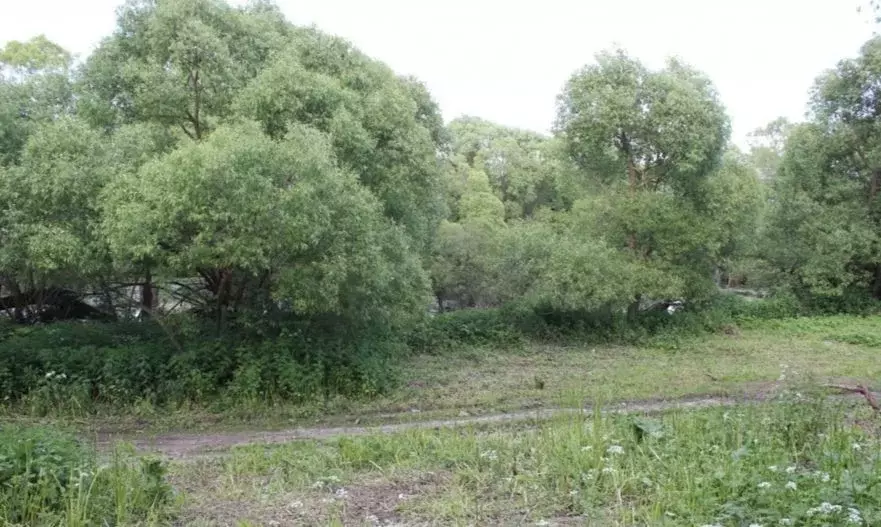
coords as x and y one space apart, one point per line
242 203
663 129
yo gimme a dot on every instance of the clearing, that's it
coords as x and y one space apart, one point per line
498 437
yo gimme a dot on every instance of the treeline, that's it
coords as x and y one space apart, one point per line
219 164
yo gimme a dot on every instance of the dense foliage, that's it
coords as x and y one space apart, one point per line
287 209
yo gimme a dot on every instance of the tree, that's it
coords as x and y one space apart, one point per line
649 139
255 216
466 252
766 147
37 55
521 169
738 202
178 63
384 128
34 88
49 212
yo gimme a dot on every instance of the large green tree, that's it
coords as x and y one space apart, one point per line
649 140
243 210
384 128
521 166
827 218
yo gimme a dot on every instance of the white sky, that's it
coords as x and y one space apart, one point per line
507 61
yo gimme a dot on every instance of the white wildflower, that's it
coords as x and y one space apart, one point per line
296 505
573 492
853 516
756 525
857 446
824 508
785 521
50 374
711 525
586 448
822 476
341 493
491 455
615 449
773 468
542 522
791 485
764 485
62 376
608 470
791 469
669 514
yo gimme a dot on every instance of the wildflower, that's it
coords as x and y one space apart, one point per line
764 485
670 514
785 521
296 505
853 516
586 448
615 449
857 446
490 455
608 470
711 525
824 508
756 525
573 492
50 374
341 493
62 376
542 522
823 476
791 485
773 468
791 469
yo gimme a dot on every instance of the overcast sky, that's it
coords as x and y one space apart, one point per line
507 61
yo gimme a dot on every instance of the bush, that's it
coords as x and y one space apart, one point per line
48 477
75 368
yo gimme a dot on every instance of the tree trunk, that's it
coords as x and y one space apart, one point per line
633 308
147 296
876 283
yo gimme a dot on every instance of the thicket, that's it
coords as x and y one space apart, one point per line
279 211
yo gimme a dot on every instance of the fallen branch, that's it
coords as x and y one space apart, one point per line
860 389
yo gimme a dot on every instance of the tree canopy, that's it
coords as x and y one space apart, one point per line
219 160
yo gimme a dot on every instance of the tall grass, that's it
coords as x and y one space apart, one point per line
48 478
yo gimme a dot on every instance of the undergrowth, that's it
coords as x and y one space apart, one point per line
77 369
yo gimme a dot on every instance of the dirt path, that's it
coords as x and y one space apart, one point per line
190 446
200 445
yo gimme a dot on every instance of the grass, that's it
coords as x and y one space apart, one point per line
489 380
49 478
751 465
